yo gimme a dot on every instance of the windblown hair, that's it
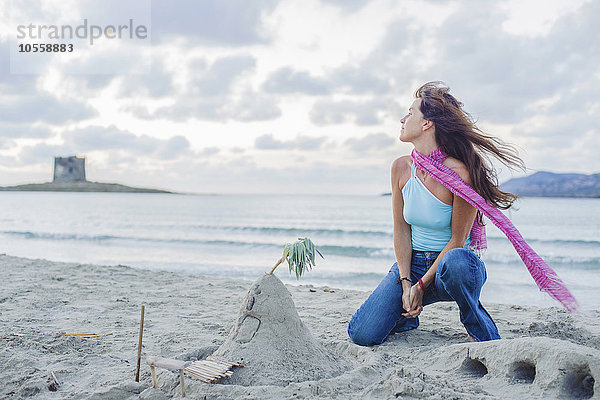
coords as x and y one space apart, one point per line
459 137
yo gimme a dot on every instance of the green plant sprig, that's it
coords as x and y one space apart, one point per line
300 256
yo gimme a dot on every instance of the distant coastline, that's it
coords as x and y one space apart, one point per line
79 186
550 184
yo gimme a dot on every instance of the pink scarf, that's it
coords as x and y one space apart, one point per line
546 279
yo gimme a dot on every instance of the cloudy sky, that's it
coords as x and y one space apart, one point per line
298 96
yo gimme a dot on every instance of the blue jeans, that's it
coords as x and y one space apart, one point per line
459 277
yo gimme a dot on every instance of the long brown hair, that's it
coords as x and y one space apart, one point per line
459 137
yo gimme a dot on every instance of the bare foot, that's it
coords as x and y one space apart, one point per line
470 339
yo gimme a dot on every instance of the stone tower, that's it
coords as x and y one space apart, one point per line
67 169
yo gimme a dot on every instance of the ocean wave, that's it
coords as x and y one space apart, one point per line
60 236
299 232
294 231
105 238
348 251
586 262
351 251
564 242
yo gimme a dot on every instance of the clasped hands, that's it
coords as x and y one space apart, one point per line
412 301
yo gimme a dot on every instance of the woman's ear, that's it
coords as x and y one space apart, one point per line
427 124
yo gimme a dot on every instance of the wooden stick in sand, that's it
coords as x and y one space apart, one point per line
46 347
139 358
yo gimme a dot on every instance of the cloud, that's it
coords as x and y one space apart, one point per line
495 73
41 153
372 141
184 109
245 175
500 74
268 142
93 74
157 83
247 107
109 138
44 108
369 112
345 79
22 103
24 131
501 77
204 22
209 151
172 148
207 22
112 140
348 5
252 106
287 81
93 82
218 79
97 72
210 94
359 81
391 66
301 142
11 84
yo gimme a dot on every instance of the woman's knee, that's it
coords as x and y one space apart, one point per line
460 266
459 260
361 333
365 326
456 257
369 323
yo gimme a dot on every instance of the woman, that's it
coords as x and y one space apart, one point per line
435 229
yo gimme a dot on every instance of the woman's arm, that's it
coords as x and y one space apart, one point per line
463 216
402 236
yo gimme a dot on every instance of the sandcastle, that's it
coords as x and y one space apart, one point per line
271 341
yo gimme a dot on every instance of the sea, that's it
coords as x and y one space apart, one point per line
242 236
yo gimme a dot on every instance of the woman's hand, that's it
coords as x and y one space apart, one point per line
415 302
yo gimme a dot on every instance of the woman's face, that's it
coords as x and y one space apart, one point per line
412 123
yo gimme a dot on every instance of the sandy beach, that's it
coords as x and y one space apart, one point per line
544 353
